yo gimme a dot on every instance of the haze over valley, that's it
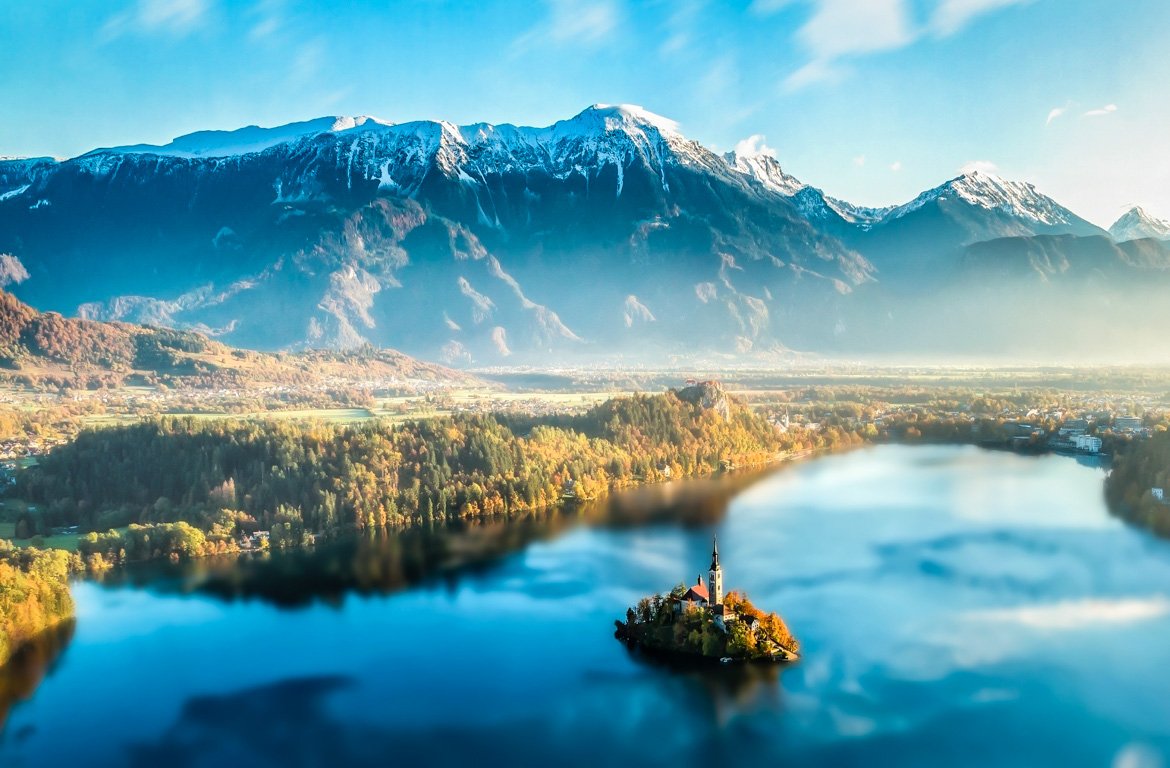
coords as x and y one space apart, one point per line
608 236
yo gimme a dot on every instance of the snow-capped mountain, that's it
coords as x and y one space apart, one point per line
1136 224
609 233
926 236
812 203
1014 200
459 242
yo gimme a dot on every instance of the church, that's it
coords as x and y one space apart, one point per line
708 596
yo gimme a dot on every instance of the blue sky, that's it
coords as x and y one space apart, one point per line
872 100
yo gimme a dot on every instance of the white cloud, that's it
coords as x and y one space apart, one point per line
1082 614
1108 109
176 17
859 160
583 22
896 166
839 30
754 146
705 292
952 15
849 27
1054 113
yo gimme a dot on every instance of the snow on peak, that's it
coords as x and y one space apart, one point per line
623 116
637 122
986 190
764 168
243 141
1137 223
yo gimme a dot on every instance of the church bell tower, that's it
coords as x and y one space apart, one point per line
715 576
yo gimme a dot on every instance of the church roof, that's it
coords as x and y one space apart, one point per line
697 591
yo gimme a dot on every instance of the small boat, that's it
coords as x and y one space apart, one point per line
726 660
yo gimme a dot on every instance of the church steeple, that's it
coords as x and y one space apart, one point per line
715 576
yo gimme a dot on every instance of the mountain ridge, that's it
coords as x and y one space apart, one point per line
468 244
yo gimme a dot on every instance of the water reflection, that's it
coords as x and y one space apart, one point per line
390 562
28 667
729 691
956 607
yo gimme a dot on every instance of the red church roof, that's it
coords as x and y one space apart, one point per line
697 592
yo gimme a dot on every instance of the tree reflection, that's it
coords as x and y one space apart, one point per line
389 562
730 690
29 665
393 561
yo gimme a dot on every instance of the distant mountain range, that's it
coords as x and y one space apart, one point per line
609 235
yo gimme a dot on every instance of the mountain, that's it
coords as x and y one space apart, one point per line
46 347
812 203
925 237
456 242
608 235
1136 224
928 232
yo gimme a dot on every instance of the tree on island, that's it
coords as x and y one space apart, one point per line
737 629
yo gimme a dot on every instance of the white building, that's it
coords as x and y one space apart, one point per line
1087 443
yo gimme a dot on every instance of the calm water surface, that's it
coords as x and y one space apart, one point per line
956 607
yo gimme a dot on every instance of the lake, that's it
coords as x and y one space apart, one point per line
956 607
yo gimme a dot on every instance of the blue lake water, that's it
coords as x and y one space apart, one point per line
956 607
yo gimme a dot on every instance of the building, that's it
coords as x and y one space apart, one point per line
1087 443
696 596
707 596
1158 493
1127 423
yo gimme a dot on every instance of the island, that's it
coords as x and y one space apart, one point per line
699 621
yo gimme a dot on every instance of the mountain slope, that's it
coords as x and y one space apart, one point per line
1136 224
609 235
37 346
461 242
924 237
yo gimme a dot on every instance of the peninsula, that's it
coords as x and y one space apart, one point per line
700 620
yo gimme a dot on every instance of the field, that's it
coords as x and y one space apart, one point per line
66 541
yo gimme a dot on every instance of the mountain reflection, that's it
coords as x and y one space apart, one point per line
393 561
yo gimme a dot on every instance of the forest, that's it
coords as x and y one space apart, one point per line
1134 481
34 594
181 487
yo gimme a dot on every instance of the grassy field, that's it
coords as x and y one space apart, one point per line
334 415
67 541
